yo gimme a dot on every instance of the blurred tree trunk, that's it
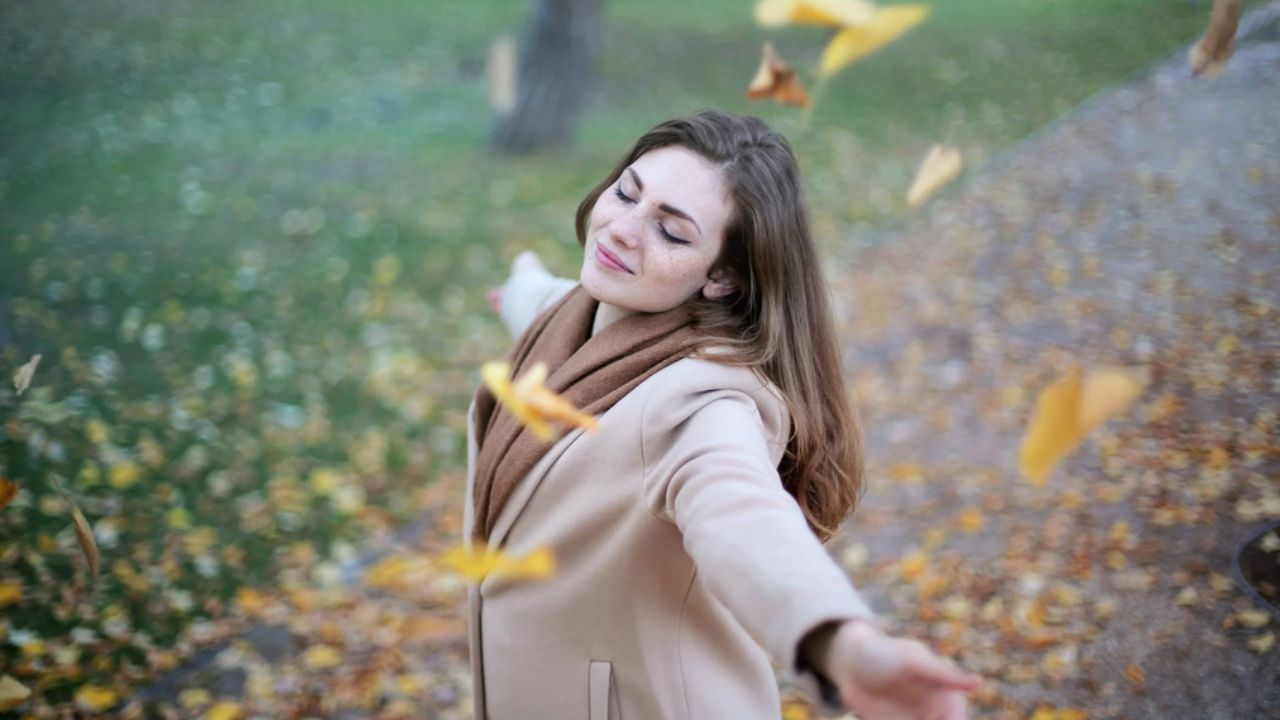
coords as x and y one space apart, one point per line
554 78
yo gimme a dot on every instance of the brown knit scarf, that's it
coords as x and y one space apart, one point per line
592 372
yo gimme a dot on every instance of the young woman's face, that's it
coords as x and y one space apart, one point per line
654 234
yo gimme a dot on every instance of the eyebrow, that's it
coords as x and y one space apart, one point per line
665 207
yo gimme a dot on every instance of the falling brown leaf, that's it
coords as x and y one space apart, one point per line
1210 54
84 534
22 379
8 490
775 79
940 166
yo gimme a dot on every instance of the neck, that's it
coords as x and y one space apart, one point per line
607 315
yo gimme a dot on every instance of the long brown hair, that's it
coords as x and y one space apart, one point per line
778 320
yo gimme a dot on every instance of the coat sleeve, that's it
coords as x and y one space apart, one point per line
711 469
527 293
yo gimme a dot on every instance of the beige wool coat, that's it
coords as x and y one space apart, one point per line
682 563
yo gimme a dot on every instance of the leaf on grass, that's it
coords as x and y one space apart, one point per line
475 565
1068 409
12 693
940 166
836 13
84 535
775 79
858 41
22 379
1210 54
530 401
8 490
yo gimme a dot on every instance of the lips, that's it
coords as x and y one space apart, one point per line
611 261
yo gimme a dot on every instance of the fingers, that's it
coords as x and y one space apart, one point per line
927 666
495 299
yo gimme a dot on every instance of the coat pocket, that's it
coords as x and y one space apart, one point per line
602 695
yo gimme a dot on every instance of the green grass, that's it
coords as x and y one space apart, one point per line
194 193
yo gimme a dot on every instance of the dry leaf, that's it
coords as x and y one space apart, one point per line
502 74
1136 677
1262 643
1068 409
320 657
8 490
836 13
12 693
84 534
476 565
1187 597
224 710
530 401
941 165
96 699
777 80
22 379
1210 54
1253 618
858 41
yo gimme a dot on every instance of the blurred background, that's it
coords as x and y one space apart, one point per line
251 243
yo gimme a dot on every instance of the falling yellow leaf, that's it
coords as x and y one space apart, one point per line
1210 54
775 79
1108 392
836 13
224 710
22 379
96 699
940 166
1067 410
475 565
12 693
8 490
84 535
319 657
530 401
858 41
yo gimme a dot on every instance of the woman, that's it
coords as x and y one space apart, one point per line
686 528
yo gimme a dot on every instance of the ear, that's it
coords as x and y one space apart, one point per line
720 284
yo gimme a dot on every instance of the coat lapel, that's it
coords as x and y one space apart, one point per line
524 489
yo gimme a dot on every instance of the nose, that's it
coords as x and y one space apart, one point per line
627 228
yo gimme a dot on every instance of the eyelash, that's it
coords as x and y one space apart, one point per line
617 192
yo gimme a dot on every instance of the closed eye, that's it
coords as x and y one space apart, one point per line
670 238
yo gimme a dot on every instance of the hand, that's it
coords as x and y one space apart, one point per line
881 677
526 260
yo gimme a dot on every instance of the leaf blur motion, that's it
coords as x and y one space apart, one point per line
477 564
528 398
1068 410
